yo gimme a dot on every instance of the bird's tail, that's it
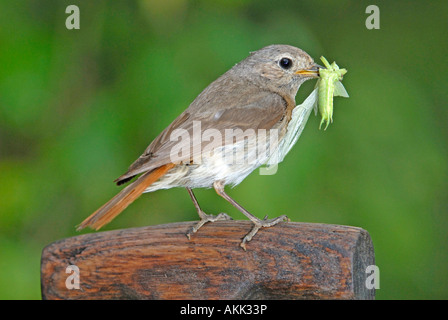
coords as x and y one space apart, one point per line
124 198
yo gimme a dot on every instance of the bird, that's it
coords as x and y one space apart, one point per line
235 125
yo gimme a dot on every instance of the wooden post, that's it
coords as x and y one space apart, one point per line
287 261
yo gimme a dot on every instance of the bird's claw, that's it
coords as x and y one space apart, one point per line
265 223
204 218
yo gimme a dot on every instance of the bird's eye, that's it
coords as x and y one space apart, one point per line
285 63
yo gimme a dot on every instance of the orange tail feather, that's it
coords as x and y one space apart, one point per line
124 198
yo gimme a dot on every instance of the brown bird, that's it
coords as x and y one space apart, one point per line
234 126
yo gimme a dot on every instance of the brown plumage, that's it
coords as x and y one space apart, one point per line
256 94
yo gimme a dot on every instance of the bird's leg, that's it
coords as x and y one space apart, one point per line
204 218
258 223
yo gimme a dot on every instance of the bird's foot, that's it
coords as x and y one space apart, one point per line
265 223
204 218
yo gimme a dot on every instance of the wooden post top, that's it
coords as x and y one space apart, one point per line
287 261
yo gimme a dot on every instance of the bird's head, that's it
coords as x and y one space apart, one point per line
280 67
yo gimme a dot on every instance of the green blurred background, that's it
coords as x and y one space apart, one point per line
78 106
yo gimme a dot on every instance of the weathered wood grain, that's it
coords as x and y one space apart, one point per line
288 261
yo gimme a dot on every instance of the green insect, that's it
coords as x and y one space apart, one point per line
329 86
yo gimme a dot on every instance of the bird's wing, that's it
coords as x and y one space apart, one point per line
192 131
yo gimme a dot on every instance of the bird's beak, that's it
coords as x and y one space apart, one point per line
313 72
